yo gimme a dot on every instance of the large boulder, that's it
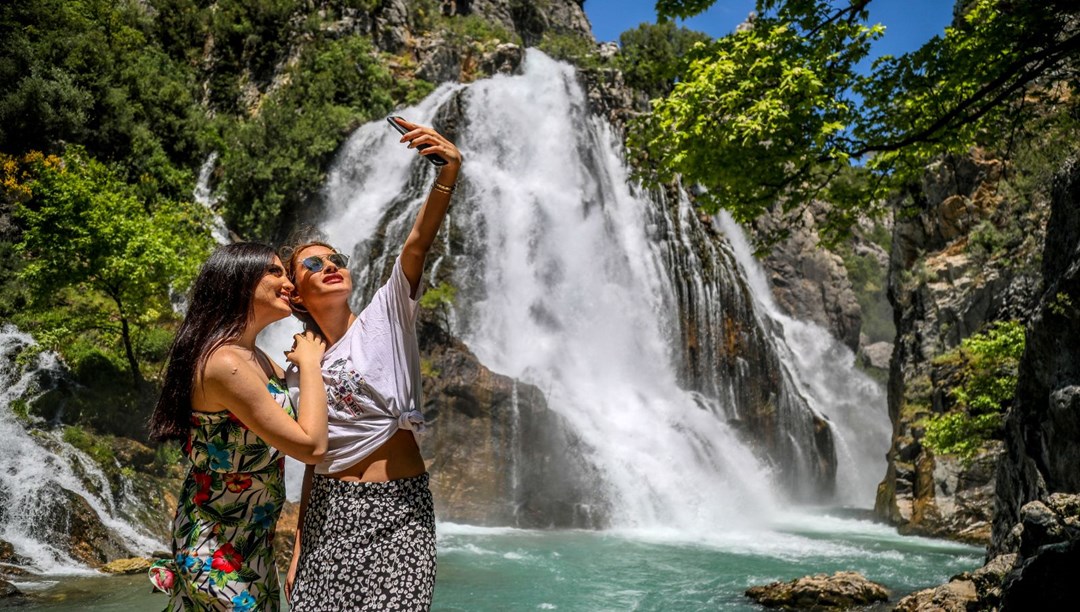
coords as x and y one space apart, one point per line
497 454
130 565
1037 577
955 596
8 590
1048 560
841 591
977 590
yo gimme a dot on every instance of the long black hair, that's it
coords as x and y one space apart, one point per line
219 308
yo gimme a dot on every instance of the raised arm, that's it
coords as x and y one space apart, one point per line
234 382
434 209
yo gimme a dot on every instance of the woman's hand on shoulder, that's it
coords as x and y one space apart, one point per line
235 382
307 350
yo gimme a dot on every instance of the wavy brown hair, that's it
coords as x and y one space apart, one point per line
219 309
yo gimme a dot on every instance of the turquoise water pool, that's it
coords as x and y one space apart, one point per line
511 569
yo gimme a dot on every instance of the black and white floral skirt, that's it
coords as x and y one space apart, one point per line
366 546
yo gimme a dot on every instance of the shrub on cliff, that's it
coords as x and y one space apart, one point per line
986 385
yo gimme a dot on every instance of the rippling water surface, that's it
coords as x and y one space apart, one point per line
510 569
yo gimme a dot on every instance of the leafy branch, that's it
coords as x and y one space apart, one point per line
767 117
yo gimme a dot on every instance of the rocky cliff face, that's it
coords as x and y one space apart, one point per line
729 353
497 454
1041 451
529 19
810 282
960 259
433 40
439 51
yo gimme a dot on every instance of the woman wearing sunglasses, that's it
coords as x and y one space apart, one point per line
226 401
365 538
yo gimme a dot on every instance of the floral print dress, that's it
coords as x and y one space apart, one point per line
223 532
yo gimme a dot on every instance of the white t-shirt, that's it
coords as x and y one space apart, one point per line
372 377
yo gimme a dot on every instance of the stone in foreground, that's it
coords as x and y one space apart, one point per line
133 565
840 591
8 590
956 596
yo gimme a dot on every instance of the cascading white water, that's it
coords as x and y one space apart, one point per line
855 404
564 282
576 299
564 289
40 471
205 196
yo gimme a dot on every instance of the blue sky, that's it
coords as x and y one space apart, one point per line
908 23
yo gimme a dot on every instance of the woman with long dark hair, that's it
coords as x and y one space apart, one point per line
365 539
226 401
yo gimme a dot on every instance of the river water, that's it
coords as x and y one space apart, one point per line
510 569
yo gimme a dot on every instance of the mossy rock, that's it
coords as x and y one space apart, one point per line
131 565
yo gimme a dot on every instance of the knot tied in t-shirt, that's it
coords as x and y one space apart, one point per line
412 421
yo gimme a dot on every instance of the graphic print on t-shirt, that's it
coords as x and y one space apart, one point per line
346 388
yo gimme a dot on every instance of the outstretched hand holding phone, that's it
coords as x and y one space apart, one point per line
426 141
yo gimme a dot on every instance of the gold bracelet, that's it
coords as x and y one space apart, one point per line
447 189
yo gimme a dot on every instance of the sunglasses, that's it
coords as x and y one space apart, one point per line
316 263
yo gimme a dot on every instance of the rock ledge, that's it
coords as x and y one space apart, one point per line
840 591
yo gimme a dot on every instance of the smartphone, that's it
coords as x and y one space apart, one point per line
434 158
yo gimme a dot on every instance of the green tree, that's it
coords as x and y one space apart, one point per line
276 161
652 54
89 72
440 301
771 114
107 257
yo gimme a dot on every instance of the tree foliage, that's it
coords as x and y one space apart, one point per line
774 113
87 71
275 161
94 247
960 434
681 8
988 363
652 55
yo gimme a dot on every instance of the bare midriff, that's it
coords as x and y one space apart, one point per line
398 458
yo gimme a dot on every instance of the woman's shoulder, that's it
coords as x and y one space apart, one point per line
227 362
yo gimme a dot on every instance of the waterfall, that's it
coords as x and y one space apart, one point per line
638 326
823 366
202 194
45 482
